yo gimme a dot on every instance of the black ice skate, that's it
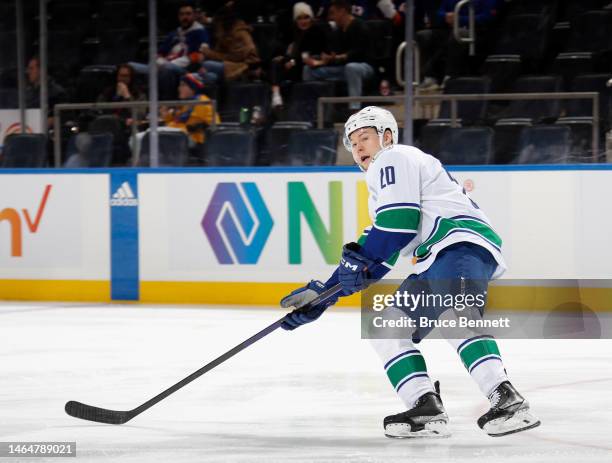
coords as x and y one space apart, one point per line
426 419
509 412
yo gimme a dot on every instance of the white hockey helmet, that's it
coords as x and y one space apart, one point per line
371 116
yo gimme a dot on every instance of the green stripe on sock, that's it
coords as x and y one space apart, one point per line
393 259
406 367
477 350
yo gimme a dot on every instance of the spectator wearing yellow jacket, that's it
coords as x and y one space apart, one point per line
193 120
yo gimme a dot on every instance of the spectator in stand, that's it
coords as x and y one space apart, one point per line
56 93
387 9
124 89
310 40
234 55
348 57
176 52
442 55
362 9
193 120
424 11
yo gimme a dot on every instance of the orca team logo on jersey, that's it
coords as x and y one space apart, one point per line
237 223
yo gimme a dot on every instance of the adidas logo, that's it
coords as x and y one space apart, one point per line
124 196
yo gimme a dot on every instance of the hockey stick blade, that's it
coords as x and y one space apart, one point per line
100 415
103 415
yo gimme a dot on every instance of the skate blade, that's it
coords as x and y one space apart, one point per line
522 420
432 429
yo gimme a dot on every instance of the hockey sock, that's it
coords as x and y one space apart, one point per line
480 356
405 368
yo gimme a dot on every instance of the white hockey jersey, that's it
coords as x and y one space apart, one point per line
411 192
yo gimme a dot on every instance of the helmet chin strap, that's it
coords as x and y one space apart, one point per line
381 137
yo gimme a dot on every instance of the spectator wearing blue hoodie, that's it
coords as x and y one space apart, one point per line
175 54
442 55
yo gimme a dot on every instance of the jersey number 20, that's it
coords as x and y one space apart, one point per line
387 176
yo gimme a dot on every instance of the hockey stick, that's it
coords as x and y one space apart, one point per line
103 415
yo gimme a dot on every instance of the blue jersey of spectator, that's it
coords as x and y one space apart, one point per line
183 41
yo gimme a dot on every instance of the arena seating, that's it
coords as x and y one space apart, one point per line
466 145
95 151
244 95
502 71
525 36
581 137
470 112
507 138
304 97
112 125
173 150
570 64
25 150
538 46
230 147
537 110
276 142
544 144
547 9
590 31
430 140
312 147
591 83
92 80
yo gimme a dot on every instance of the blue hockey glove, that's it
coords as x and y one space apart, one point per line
300 299
354 269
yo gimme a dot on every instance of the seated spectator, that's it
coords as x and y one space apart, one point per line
174 55
348 57
310 39
387 9
193 120
424 13
442 55
125 89
362 9
234 54
376 9
56 93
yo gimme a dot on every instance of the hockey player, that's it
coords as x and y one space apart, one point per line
417 207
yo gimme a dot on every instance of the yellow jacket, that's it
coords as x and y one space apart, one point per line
193 120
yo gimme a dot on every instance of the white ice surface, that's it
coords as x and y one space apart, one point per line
315 394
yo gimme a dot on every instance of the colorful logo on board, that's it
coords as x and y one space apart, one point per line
12 217
237 223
